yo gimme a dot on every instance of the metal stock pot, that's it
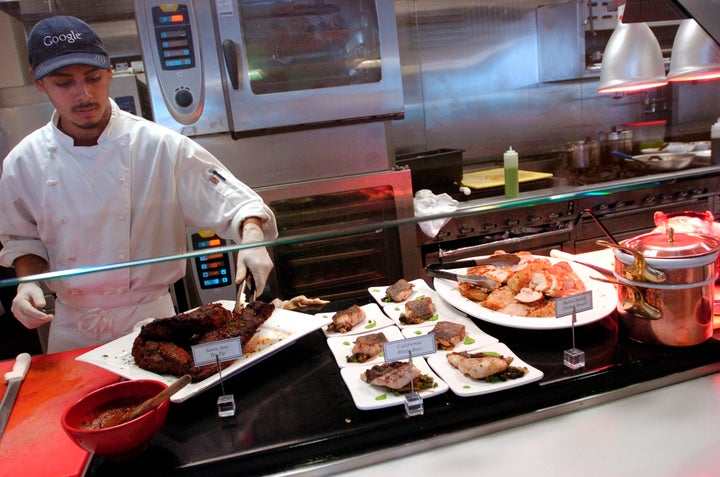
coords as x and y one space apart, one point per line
676 283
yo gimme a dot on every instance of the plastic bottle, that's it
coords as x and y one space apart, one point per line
715 143
510 164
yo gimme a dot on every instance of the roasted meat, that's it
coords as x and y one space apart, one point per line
418 311
346 320
484 365
366 347
397 376
163 346
448 334
399 291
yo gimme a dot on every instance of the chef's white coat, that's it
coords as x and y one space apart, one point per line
128 198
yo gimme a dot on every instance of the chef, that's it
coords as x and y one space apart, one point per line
98 186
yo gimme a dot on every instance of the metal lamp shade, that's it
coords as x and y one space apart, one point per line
632 60
695 55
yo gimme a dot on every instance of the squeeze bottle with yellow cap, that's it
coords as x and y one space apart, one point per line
510 164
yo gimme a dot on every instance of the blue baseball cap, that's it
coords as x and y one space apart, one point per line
60 41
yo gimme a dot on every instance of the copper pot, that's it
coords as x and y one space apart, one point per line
684 298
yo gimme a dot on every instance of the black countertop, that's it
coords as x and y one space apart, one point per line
295 415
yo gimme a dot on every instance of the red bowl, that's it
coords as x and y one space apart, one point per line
122 441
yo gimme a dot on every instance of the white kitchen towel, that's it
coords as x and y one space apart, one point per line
427 204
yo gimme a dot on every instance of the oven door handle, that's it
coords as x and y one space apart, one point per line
231 63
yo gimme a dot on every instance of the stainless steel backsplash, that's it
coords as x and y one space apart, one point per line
471 80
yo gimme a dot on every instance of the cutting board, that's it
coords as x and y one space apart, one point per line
34 443
496 178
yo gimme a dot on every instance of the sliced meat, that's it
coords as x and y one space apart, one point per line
448 334
367 347
479 365
395 375
346 320
418 311
399 291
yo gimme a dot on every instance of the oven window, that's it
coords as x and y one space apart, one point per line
310 44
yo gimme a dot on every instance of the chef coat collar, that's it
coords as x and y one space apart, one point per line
109 134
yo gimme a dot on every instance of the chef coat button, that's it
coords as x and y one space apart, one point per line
52 148
51 182
71 259
62 221
121 256
121 218
122 181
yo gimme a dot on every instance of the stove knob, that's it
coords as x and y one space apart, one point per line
464 229
534 218
682 194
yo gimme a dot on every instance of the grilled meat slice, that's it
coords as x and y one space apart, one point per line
186 328
399 291
346 320
366 347
448 334
164 350
480 365
161 357
418 311
396 375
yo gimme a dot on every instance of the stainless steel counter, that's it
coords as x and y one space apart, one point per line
666 432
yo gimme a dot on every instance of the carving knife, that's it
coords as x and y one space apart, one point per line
14 379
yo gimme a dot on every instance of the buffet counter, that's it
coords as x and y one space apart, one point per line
296 417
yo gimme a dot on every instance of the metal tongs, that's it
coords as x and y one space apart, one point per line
247 293
501 260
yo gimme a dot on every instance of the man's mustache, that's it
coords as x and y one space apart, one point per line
84 105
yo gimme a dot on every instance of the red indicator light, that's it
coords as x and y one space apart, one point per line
177 18
214 242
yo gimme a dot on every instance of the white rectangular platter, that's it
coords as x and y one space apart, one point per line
282 329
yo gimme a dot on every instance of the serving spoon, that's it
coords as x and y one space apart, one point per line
148 404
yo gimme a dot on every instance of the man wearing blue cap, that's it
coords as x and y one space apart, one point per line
97 186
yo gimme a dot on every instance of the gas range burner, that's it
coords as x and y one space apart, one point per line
609 172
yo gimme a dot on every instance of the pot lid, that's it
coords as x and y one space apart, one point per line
673 245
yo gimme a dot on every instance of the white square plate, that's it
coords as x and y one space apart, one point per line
367 397
420 289
465 386
341 346
282 329
474 337
375 319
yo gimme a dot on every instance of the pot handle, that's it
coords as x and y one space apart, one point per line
638 306
640 270
621 154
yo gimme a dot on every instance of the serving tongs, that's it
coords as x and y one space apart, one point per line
438 270
247 293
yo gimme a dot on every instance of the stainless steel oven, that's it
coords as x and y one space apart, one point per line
248 66
342 264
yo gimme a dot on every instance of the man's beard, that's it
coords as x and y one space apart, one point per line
88 126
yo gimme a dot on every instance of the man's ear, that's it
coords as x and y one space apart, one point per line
38 84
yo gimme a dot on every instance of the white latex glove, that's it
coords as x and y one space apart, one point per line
25 306
255 259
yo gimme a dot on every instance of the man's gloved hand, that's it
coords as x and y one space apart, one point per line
25 305
255 259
